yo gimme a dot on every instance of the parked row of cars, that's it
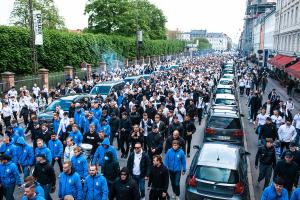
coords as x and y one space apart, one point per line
219 167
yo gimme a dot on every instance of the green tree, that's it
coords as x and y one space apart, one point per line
203 43
125 17
51 19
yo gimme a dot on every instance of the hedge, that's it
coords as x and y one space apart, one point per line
62 48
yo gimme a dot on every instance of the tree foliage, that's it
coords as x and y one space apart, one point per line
51 19
62 48
203 44
125 17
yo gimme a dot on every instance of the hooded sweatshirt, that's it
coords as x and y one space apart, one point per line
70 184
100 152
24 153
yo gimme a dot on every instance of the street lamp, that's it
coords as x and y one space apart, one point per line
139 42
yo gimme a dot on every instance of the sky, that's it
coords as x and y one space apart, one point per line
213 15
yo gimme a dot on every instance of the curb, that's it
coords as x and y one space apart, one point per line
249 174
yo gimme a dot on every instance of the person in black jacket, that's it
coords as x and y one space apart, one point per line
255 105
150 110
138 165
125 188
35 132
175 125
191 110
45 175
267 160
288 171
134 116
158 180
155 142
171 138
294 151
110 170
125 129
92 138
189 129
136 136
114 124
268 130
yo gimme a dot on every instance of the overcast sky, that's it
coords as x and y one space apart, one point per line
214 15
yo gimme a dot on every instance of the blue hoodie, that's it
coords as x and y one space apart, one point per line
175 160
270 194
56 126
97 112
78 116
95 187
46 151
13 138
87 122
19 130
56 148
9 174
70 184
37 197
24 153
106 129
80 165
77 137
10 150
100 152
296 194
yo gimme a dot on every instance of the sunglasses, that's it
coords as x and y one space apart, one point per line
123 174
137 147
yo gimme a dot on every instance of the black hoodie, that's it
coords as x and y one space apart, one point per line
44 174
111 168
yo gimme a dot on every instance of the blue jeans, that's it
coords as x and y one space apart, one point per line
175 181
141 183
297 136
9 192
47 190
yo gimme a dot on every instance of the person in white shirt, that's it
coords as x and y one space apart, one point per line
290 104
296 123
33 107
14 106
12 92
286 134
64 122
242 86
277 119
180 112
6 112
36 90
260 120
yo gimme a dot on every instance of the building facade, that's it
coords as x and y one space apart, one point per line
218 41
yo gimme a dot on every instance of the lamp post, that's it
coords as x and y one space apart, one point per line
32 44
139 42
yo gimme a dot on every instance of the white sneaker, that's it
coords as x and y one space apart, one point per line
251 121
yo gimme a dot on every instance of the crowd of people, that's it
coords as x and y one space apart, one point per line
151 124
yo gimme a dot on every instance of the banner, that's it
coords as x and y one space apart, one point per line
37 23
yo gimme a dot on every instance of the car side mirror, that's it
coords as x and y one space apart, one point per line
196 147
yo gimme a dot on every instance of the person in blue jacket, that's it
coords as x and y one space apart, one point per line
43 149
25 156
30 192
275 191
10 133
95 186
69 182
105 127
9 149
56 123
296 194
88 121
9 176
176 164
56 149
38 188
76 135
80 163
101 150
96 110
19 130
79 114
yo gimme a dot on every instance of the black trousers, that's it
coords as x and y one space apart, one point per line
112 137
188 140
199 112
7 121
59 163
156 194
15 115
242 89
25 118
124 140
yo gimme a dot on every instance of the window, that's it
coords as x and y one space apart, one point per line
218 175
288 19
292 17
296 15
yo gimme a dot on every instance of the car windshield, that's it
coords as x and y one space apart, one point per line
224 91
228 76
64 104
217 175
224 122
225 102
100 89
226 82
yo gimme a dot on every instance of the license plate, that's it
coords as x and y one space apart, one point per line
224 137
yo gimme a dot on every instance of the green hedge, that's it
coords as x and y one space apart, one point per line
63 48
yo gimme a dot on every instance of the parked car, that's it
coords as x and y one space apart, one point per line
229 76
132 79
224 125
64 103
218 171
224 89
226 81
225 100
106 88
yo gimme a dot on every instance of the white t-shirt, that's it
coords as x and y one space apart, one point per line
261 119
296 121
277 120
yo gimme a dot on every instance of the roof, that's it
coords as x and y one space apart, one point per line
224 86
228 155
109 83
294 70
225 96
279 61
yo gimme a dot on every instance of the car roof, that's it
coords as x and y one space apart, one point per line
225 113
219 155
109 83
69 98
228 75
225 79
225 96
133 77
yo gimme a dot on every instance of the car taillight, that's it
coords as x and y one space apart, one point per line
192 181
239 188
238 133
210 131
